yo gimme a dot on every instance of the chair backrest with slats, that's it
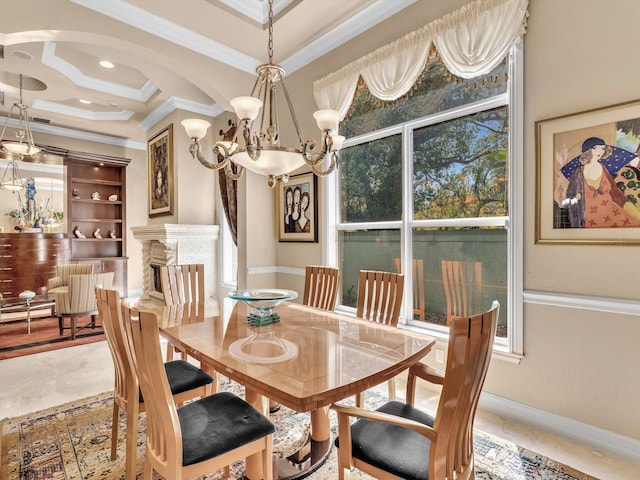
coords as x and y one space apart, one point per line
110 310
182 283
164 439
320 287
380 296
462 288
417 266
468 356
81 297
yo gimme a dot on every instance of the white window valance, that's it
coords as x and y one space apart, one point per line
471 42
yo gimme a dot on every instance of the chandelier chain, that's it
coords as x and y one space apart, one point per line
270 51
21 102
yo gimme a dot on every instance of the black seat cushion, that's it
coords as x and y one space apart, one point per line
217 424
182 376
398 450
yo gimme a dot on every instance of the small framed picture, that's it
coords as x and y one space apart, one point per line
160 163
588 177
297 202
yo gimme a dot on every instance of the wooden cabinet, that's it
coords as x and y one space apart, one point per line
28 260
96 188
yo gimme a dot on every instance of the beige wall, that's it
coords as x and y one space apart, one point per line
579 364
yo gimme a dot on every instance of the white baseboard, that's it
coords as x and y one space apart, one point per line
596 437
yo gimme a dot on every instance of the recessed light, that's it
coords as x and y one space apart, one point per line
106 64
113 104
86 102
21 54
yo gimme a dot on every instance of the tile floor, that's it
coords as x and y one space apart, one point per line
47 379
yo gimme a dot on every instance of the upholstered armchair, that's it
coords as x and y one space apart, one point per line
79 300
60 283
63 272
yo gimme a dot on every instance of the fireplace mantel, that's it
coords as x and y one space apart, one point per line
169 244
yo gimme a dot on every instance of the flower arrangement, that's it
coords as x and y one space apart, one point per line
29 216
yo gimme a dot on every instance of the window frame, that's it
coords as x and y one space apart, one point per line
512 345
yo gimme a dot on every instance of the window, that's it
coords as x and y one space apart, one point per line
427 185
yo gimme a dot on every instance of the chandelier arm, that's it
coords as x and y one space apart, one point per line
228 170
196 153
314 159
330 169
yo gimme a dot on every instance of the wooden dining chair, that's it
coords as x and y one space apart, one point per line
204 435
399 441
379 300
462 288
320 287
417 267
182 284
185 380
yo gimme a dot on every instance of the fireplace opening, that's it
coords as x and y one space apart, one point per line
156 281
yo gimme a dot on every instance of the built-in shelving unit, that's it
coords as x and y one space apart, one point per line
88 174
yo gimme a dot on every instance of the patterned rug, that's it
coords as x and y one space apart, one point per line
72 442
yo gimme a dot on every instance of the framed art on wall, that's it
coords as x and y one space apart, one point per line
588 177
297 204
160 164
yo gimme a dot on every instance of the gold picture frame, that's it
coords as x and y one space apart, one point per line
160 173
297 206
588 177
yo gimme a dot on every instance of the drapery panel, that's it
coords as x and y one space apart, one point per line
471 42
228 190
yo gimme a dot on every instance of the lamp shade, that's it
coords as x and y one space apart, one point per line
246 107
336 142
195 127
272 161
12 186
19 148
327 119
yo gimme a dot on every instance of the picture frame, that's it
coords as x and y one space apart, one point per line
160 172
588 177
301 190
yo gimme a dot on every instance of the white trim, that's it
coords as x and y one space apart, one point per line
353 26
79 134
515 254
173 103
267 269
153 24
69 70
583 302
47 106
597 437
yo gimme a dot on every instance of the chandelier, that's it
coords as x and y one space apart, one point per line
22 146
262 152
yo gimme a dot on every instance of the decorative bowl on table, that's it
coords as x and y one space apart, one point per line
263 302
27 295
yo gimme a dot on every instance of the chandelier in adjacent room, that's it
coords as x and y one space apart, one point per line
262 152
22 146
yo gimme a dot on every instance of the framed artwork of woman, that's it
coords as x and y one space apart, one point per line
160 168
589 177
298 209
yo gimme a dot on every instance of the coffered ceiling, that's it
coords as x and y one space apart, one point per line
192 55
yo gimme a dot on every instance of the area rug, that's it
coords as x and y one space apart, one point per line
44 336
72 442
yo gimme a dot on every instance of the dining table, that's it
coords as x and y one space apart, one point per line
306 360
